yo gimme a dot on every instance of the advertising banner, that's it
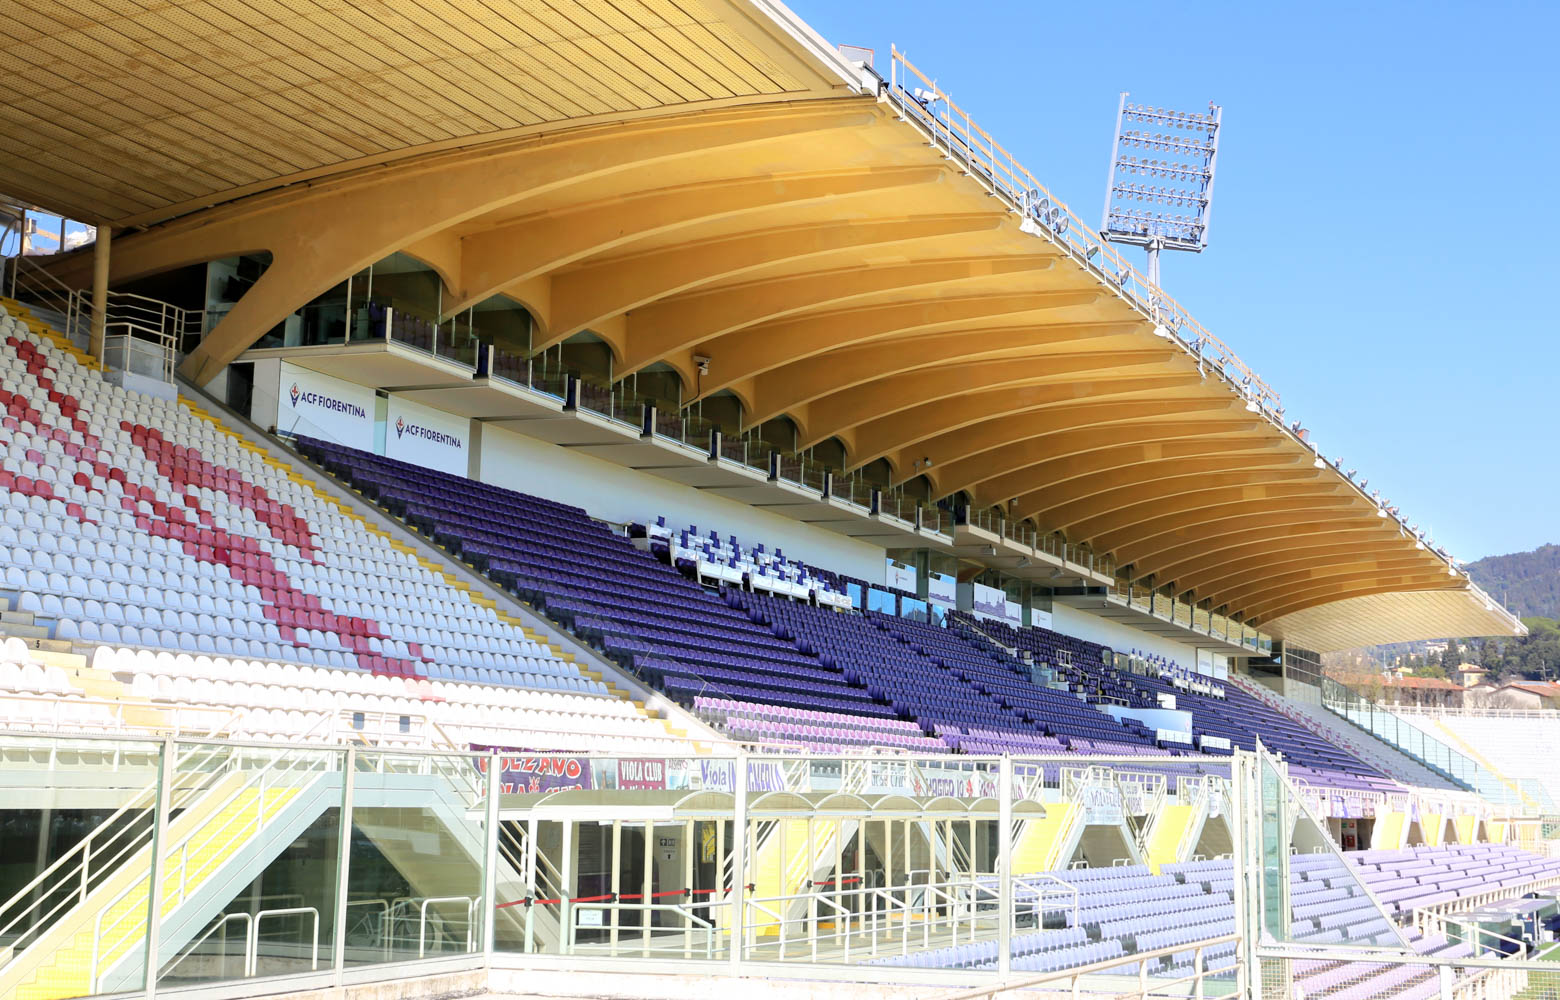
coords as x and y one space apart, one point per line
943 588
319 406
427 437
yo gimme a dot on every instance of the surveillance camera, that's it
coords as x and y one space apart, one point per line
703 361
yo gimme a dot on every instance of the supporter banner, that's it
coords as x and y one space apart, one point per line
926 780
721 776
1101 805
1013 613
427 437
943 588
323 407
901 577
653 773
1039 618
524 772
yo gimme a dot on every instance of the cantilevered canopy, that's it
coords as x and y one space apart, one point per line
712 180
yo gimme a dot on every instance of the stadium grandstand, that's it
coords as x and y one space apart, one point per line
573 499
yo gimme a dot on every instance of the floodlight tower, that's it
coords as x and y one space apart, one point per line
1163 159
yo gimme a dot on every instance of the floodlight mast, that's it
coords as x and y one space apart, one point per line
1188 163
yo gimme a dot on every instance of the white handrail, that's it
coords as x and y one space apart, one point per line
253 957
422 918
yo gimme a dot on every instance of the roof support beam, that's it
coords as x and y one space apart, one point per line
1200 570
1157 485
1331 592
1127 453
889 409
738 358
319 236
958 468
824 375
667 321
1141 548
1173 565
1206 503
496 258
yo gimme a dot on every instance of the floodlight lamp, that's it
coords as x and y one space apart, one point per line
1251 406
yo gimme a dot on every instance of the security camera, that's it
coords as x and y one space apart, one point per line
703 361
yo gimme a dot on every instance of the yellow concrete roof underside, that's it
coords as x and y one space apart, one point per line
134 110
832 265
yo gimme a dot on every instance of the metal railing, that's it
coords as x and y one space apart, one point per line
1384 723
202 852
953 131
127 833
142 335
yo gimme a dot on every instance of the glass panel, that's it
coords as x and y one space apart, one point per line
77 851
250 866
649 876
414 879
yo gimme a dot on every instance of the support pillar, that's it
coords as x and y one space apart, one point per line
100 251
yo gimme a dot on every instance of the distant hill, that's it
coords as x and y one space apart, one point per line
1527 582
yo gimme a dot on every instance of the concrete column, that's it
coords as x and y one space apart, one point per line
99 292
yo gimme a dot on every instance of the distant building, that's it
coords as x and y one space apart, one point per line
1529 695
1469 674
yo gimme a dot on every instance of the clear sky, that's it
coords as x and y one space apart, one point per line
1377 251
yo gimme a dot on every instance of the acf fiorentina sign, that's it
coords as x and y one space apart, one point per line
427 437
324 407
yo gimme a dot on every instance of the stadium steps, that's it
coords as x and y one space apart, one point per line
218 843
1171 832
1045 843
403 538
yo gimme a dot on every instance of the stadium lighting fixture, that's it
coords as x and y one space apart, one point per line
1160 192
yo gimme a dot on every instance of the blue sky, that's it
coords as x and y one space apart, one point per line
1364 256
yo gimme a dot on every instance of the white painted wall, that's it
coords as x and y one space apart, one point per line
263 400
1119 637
613 493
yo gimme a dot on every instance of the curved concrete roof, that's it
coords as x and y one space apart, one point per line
712 179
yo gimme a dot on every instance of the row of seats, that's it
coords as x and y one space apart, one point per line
234 586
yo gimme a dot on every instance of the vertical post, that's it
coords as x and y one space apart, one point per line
566 890
616 885
530 882
489 911
739 847
687 872
167 762
1005 866
647 888
100 251
338 936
